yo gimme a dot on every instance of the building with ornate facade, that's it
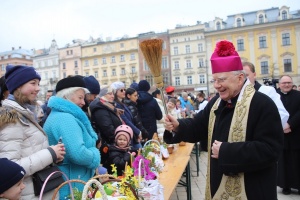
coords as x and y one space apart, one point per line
70 59
188 58
47 65
111 61
15 57
268 38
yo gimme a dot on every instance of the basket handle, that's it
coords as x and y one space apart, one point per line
44 185
99 186
64 183
157 142
140 171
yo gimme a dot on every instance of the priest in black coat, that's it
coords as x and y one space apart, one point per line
244 131
289 162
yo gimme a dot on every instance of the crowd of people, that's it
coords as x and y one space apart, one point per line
250 131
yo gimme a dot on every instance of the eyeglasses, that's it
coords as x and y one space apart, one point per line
222 79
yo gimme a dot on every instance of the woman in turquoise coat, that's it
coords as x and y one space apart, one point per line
68 122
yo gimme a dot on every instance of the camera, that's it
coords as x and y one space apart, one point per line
270 82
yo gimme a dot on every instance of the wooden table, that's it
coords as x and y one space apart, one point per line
175 165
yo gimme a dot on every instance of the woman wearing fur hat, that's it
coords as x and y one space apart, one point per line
106 118
22 139
68 122
119 92
118 154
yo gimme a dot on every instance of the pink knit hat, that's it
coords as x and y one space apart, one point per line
225 58
124 130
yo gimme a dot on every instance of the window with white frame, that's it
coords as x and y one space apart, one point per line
103 60
201 62
149 79
200 47
175 50
64 65
146 68
164 63
238 22
121 45
113 72
187 49
132 56
176 64
95 61
188 64
284 15
261 19
264 67
122 71
75 63
86 63
286 39
201 79
76 72
3 67
46 63
240 45
177 81
64 74
287 63
164 45
166 78
95 49
122 58
46 75
113 59
53 73
218 26
104 73
189 80
133 70
87 74
262 42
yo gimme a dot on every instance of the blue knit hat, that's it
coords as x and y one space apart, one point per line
134 86
18 75
144 86
92 84
10 174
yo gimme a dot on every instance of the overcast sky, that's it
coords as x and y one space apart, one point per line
34 23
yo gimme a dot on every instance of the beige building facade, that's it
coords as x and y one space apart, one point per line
70 60
189 58
111 61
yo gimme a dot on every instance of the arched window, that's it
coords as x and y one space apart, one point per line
218 26
284 15
238 22
261 19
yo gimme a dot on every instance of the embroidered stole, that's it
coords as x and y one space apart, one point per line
231 187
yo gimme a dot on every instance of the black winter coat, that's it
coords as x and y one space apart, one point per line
257 157
149 111
136 117
291 102
105 120
119 157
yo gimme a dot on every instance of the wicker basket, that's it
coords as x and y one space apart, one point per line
67 182
99 187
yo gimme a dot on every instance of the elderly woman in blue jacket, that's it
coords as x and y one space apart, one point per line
68 122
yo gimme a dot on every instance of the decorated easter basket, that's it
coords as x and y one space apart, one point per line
148 189
68 182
